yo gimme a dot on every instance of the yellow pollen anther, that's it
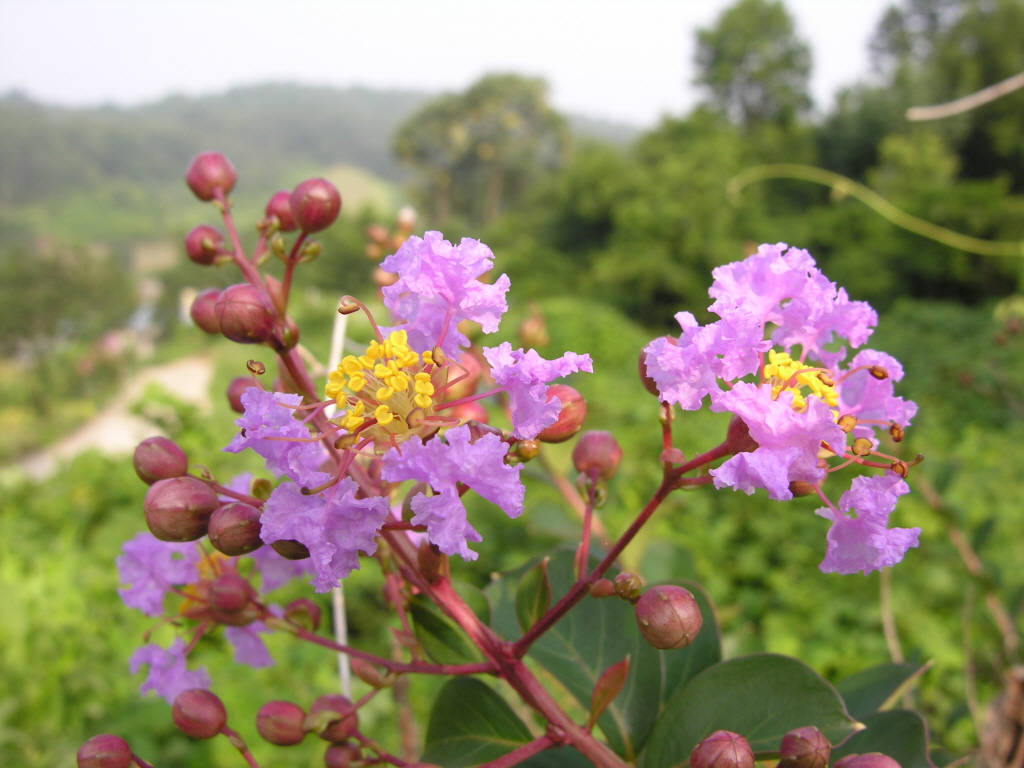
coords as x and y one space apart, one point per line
383 415
385 393
380 371
428 358
423 401
847 422
357 382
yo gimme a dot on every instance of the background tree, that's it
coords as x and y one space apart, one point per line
754 65
477 152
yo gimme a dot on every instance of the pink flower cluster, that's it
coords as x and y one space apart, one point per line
438 287
801 407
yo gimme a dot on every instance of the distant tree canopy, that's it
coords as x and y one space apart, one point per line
754 65
478 151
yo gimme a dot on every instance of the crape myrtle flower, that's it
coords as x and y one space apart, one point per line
393 401
168 674
864 542
785 324
151 567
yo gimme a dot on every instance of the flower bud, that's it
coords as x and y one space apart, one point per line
341 755
305 613
315 204
245 314
597 453
628 586
722 749
179 508
570 418
377 234
804 747
105 751
230 592
649 384
202 244
867 760
235 529
526 450
281 207
738 437
332 717
290 549
470 412
369 673
199 713
203 311
466 376
602 588
384 279
207 172
280 723
668 617
158 458
533 331
235 391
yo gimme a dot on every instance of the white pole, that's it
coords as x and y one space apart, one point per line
338 592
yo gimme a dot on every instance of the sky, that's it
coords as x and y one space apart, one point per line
627 61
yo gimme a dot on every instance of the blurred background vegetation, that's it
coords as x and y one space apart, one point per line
607 233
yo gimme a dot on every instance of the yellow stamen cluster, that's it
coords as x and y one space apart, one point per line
388 381
789 375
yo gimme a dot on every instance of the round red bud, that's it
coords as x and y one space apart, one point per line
570 418
245 314
236 389
315 204
199 713
738 438
159 458
202 244
179 508
280 723
341 755
305 613
235 529
105 751
722 749
668 617
867 760
649 384
597 453
470 412
230 592
280 206
207 172
804 747
203 311
602 588
290 549
343 719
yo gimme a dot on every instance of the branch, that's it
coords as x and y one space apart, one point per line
518 755
877 203
969 102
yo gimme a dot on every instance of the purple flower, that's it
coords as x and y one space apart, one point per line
334 525
688 369
437 288
863 542
788 440
480 465
277 570
525 376
758 284
168 673
152 567
266 417
868 398
249 646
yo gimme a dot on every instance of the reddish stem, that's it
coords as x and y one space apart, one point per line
140 762
289 271
239 743
248 269
251 500
520 754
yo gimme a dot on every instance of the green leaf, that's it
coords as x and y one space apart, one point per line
598 633
533 596
761 696
899 733
471 724
607 688
442 639
868 691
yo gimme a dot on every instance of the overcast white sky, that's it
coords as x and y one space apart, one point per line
624 60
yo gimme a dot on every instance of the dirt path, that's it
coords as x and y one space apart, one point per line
116 431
